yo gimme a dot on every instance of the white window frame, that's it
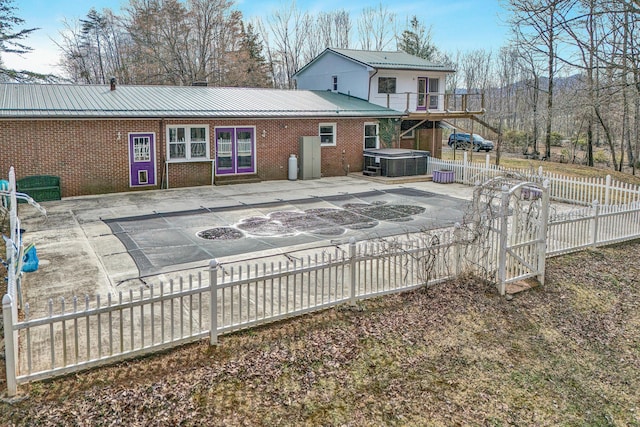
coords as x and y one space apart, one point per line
364 132
187 141
334 126
334 83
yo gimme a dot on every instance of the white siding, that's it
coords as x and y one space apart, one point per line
406 83
353 78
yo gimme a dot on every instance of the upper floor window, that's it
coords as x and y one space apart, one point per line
334 83
327 132
188 142
386 85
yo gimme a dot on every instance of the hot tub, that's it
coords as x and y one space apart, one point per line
392 162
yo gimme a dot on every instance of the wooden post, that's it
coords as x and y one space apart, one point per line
213 302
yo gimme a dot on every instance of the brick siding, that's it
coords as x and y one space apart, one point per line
91 156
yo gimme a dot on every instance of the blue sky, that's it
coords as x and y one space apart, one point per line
456 24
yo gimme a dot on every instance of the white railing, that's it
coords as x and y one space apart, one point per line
583 191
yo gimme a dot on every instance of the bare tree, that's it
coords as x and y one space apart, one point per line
534 24
376 28
286 37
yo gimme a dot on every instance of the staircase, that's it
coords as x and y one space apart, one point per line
372 171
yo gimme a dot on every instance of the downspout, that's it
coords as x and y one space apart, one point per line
163 152
369 91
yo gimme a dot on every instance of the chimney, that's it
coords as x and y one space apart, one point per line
112 81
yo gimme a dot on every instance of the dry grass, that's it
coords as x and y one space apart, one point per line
564 354
517 161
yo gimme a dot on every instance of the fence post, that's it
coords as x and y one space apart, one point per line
502 255
487 165
542 246
213 302
457 251
10 345
464 168
594 223
352 271
607 190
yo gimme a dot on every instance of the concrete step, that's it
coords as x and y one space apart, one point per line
237 179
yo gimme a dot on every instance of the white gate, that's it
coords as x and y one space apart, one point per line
522 227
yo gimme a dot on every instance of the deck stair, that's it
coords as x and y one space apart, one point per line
372 171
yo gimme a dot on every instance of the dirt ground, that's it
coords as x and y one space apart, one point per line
567 353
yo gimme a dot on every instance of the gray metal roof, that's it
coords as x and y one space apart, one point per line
60 100
385 60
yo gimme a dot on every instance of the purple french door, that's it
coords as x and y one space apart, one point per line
142 159
235 150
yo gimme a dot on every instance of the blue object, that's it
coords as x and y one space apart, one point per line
30 260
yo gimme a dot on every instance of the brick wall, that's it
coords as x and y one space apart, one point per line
91 156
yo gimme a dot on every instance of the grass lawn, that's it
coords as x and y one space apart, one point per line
567 353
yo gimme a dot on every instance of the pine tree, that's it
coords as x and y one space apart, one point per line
416 40
11 42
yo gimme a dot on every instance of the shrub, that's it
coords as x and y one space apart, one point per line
556 139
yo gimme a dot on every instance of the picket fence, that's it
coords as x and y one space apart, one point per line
92 333
85 333
574 190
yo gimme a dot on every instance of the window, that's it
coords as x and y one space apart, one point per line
188 142
409 135
386 85
141 149
433 91
334 83
371 136
327 132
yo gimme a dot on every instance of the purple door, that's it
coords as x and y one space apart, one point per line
235 150
142 159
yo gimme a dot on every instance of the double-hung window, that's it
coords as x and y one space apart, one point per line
371 136
188 142
327 133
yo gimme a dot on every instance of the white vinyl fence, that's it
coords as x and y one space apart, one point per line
582 191
87 333
84 333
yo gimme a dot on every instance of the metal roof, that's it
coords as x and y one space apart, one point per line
98 101
385 60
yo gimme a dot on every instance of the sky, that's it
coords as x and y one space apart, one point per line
456 24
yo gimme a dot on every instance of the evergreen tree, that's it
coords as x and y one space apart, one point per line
11 42
416 40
